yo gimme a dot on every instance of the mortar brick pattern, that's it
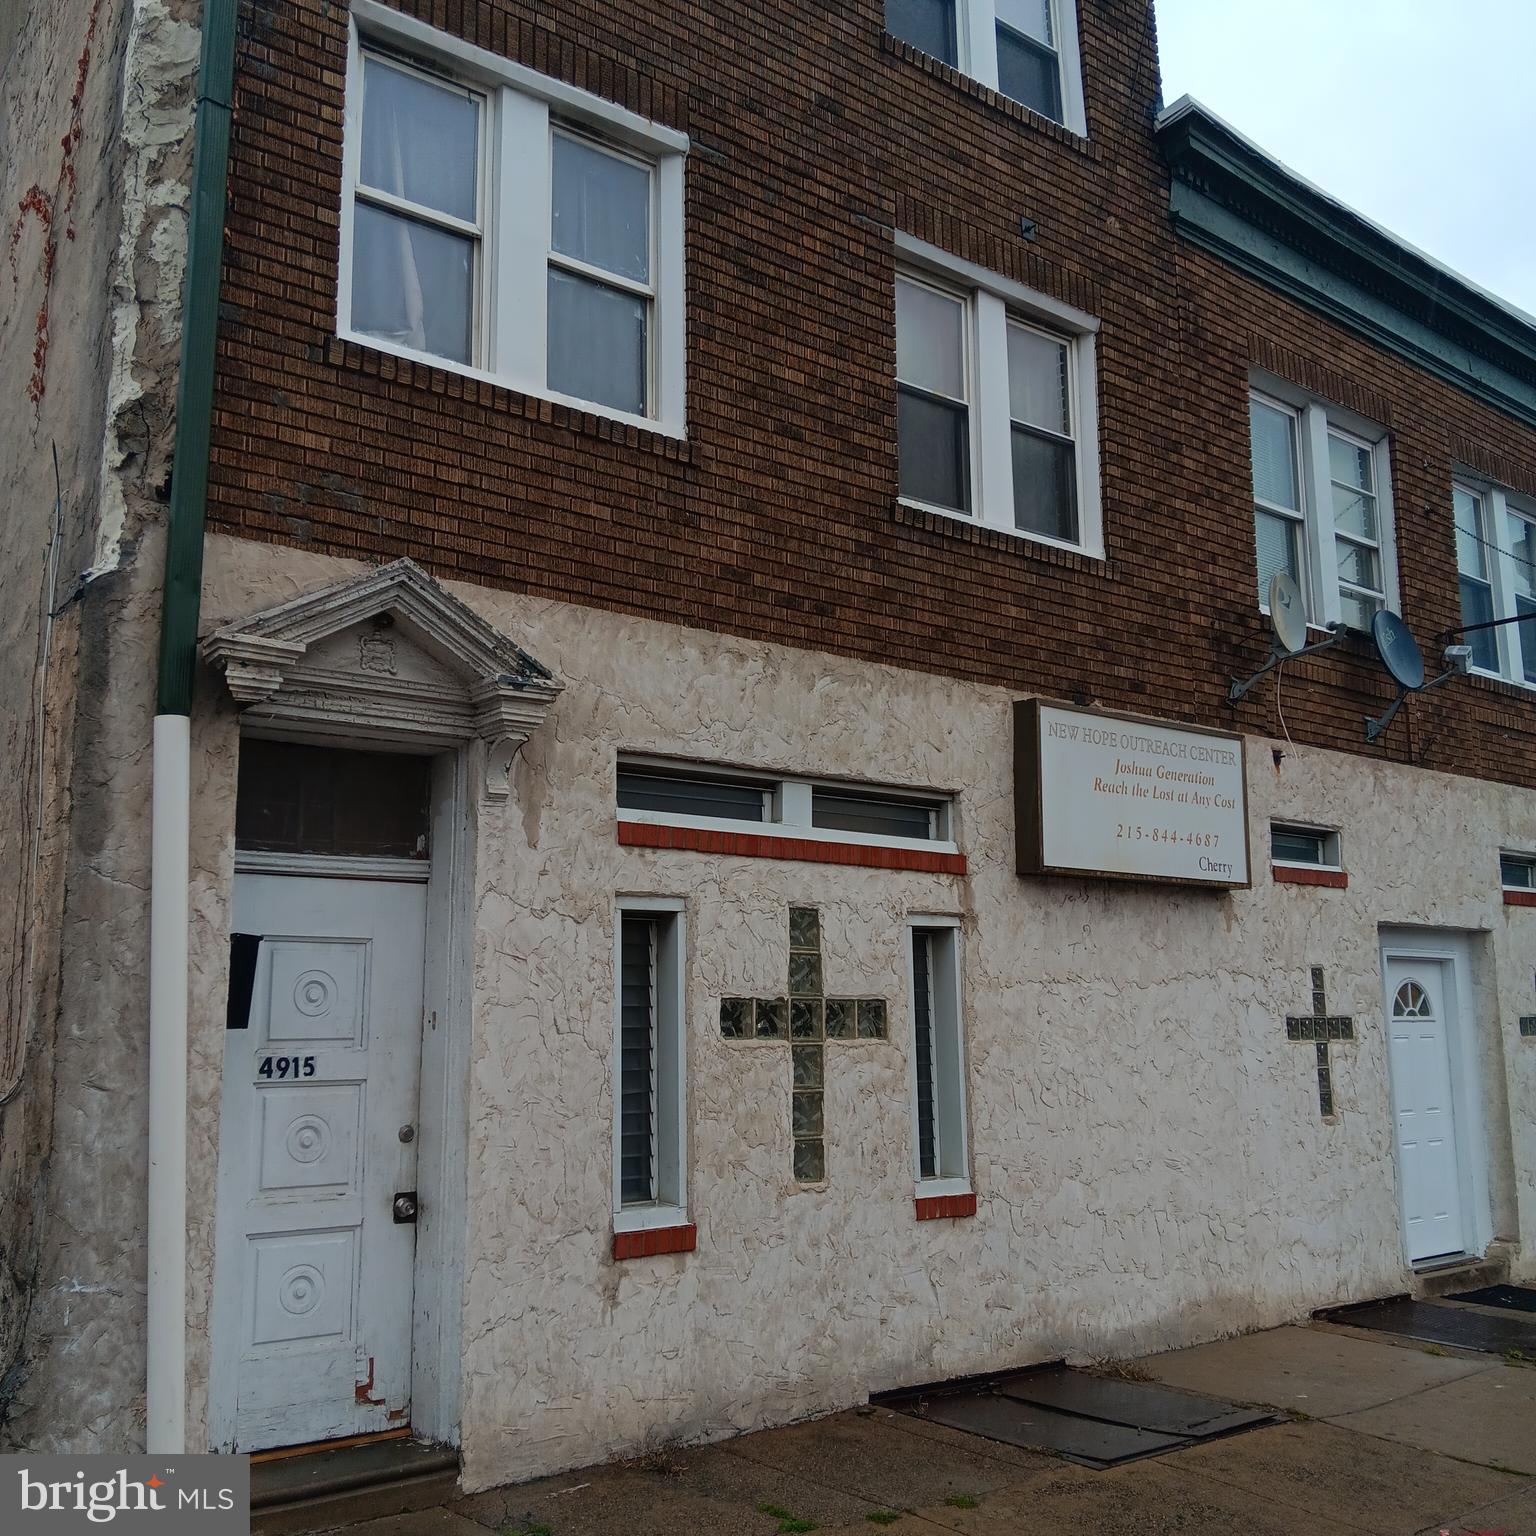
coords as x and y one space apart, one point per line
814 135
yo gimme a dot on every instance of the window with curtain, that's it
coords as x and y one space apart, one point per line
514 227
416 233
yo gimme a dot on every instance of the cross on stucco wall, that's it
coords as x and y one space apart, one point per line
1321 1028
807 1019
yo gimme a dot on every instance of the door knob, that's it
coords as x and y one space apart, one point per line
404 1208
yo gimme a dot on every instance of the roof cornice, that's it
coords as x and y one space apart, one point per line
1231 198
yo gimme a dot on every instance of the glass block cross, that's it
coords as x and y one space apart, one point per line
1320 1028
807 1018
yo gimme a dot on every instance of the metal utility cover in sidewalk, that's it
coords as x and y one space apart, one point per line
1466 1327
1096 1421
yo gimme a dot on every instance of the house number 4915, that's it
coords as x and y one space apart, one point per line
286 1066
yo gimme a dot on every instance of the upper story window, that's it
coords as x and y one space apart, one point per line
1023 49
1322 508
995 390
509 226
1496 564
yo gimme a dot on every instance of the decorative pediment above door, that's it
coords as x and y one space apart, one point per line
389 656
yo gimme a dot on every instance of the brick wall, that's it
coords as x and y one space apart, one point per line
813 137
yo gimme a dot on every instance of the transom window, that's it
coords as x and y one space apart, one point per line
1321 509
1023 49
995 406
510 226
1496 567
675 794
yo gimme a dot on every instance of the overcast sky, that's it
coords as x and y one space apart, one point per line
1420 115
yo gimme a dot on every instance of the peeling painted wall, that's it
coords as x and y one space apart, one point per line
1148 1151
96 104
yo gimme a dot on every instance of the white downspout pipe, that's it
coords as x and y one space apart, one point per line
170 835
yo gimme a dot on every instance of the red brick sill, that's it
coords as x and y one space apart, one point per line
941 1207
1520 898
651 1241
1292 874
758 845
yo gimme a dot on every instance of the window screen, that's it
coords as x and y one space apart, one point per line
303 799
926 24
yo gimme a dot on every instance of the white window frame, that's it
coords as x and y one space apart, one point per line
1514 856
976 54
670 1118
1499 507
1332 841
950 1092
522 107
789 807
1315 419
992 301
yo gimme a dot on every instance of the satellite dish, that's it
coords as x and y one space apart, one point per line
1399 651
1287 613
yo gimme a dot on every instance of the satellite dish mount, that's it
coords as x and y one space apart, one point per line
1288 638
1404 662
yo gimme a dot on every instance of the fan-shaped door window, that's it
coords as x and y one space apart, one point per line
1411 1002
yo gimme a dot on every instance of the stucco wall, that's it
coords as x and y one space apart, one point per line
96 104
1148 1151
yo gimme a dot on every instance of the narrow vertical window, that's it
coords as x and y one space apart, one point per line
1028 65
932 404
1476 582
1044 454
938 1080
648 1158
1279 517
1357 529
416 229
600 275
637 1062
1522 554
926 24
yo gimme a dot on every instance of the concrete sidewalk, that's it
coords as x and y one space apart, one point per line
1385 1437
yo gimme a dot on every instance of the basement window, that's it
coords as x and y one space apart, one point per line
649 1172
1517 871
1310 847
662 793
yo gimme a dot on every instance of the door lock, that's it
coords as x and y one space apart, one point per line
404 1208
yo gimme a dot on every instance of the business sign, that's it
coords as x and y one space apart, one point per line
1122 798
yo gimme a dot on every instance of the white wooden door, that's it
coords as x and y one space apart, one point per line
318 1136
1429 1169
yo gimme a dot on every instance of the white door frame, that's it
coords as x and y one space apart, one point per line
1454 951
442 1122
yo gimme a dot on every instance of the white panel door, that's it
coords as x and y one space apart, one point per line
1429 1168
318 1135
